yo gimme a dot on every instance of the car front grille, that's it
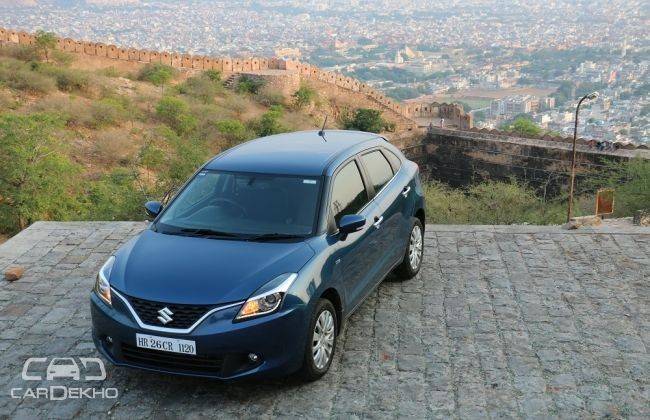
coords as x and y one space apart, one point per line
172 361
183 316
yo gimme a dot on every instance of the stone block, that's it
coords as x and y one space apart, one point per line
14 273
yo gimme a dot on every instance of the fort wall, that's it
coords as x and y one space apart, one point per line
454 113
464 157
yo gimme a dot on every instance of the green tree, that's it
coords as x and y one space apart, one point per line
158 74
45 42
366 119
524 127
36 176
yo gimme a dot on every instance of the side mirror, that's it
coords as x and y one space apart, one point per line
351 223
153 208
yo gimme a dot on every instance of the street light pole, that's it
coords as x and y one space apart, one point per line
590 96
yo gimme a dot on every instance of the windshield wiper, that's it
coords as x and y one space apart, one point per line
272 236
209 233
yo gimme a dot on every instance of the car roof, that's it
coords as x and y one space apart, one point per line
299 153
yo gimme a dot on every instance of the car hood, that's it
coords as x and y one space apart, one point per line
194 270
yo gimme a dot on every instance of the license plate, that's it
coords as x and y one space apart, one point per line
172 345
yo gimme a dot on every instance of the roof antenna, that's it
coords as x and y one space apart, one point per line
322 130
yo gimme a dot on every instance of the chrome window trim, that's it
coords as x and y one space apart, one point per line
171 330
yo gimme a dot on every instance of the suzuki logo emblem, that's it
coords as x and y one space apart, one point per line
165 315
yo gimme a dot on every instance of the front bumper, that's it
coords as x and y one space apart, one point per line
222 346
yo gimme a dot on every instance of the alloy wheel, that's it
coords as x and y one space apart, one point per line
323 339
415 247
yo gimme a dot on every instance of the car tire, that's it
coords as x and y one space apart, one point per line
323 320
410 265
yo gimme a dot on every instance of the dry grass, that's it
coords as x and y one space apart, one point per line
7 100
297 121
115 146
74 110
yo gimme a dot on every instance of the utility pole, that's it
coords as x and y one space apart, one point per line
588 97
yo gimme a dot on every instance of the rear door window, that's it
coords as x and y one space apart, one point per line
378 169
348 192
395 162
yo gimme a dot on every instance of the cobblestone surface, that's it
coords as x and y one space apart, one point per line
501 322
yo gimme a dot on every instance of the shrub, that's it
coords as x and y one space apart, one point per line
116 196
236 104
369 120
446 205
69 80
158 74
151 156
269 123
107 111
504 203
175 113
61 58
304 96
269 97
20 76
77 111
248 84
200 87
232 130
214 75
20 52
112 147
489 202
111 72
631 184
185 157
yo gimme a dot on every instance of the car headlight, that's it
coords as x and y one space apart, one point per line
268 299
102 287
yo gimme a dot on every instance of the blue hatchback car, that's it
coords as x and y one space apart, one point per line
261 256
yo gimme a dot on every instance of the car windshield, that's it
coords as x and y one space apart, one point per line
248 205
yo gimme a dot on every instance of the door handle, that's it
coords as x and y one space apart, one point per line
378 221
406 191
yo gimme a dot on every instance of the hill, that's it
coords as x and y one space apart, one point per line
89 141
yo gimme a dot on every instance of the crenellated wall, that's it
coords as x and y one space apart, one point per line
228 65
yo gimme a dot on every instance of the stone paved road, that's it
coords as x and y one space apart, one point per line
501 322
